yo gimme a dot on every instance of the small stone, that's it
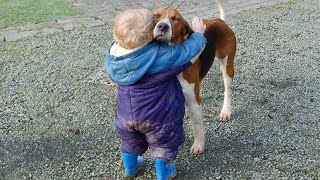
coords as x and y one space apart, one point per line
89 155
10 35
74 131
27 27
106 17
48 31
264 157
51 24
109 83
69 26
14 35
92 22
65 20
38 26
78 4
256 159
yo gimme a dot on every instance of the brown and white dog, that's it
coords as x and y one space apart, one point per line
221 44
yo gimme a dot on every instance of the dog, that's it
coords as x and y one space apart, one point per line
221 44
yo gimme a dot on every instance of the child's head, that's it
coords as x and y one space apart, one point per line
133 28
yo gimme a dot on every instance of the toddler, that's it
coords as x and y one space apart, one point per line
150 102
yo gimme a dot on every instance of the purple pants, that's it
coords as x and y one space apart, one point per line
150 115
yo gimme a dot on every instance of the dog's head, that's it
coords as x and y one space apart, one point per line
170 26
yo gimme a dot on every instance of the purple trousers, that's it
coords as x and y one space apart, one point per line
150 115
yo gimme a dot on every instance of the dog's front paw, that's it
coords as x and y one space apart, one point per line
225 116
196 149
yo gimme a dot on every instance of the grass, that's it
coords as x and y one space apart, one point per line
15 12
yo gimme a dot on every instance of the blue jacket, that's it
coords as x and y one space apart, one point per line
152 58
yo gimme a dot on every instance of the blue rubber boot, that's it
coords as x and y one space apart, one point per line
132 163
165 170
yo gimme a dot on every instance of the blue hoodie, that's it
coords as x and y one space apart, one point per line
152 58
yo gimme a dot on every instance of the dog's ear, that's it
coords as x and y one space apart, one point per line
187 31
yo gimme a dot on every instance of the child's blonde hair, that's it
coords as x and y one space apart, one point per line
133 28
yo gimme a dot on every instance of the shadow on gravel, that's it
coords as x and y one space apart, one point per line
230 153
30 154
23 157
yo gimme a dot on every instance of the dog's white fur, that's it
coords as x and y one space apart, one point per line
196 116
226 108
194 108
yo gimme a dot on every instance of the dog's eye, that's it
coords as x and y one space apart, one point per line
174 18
157 15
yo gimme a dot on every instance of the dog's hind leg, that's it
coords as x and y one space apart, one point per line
193 103
227 73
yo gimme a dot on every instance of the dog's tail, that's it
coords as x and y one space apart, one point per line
221 10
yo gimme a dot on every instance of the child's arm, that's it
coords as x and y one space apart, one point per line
189 50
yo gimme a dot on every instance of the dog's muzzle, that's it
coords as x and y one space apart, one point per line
162 32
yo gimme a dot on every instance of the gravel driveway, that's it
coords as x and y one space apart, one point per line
56 108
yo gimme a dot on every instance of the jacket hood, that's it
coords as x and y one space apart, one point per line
130 68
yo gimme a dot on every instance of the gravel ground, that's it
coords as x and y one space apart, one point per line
56 106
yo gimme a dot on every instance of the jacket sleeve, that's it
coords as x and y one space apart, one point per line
189 51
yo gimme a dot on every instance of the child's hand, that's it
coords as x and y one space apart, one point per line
197 25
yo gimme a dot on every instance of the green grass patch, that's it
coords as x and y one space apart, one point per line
14 12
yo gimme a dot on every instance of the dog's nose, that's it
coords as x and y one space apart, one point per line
163 27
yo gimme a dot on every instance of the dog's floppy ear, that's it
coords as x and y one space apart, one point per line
186 30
